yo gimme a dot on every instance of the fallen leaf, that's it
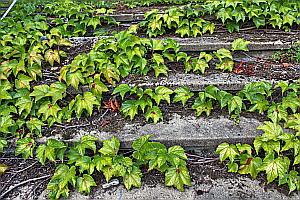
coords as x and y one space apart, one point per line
3 168
104 122
237 70
286 64
113 105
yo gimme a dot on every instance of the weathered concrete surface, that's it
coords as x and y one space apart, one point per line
242 188
211 44
185 131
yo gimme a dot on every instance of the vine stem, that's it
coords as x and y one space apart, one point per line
22 183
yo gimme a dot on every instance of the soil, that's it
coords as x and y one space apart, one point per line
21 170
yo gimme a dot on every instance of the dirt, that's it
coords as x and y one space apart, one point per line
30 169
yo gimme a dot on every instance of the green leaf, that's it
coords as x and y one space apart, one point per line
52 56
235 104
160 69
271 128
226 64
240 44
244 147
250 165
3 92
133 178
183 94
227 151
223 53
122 89
261 106
130 108
83 184
224 97
43 152
291 142
200 65
294 123
292 179
202 106
283 85
102 161
275 167
5 122
85 102
25 147
39 91
211 92
224 14
3 168
175 152
232 167
267 144
178 176
157 58
57 91
23 81
3 143
85 163
86 142
110 147
65 175
48 109
232 26
141 146
34 124
154 113
74 78
162 93
24 103
259 21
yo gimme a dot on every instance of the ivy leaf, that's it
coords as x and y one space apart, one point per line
102 161
56 91
223 97
240 44
267 144
259 21
224 13
34 124
232 26
3 168
132 178
154 113
85 163
291 101
144 102
3 143
291 142
74 78
65 175
174 153
271 128
162 93
294 123
235 104
292 179
5 122
223 53
275 167
261 106
130 108
182 94
24 103
52 56
288 19
208 26
122 89
239 14
183 30
73 155
202 106
3 92
23 81
160 69
157 58
86 142
43 152
110 72
226 64
141 146
232 167
178 176
200 65
110 147
211 92
250 165
39 91
283 85
25 147
85 102
48 109
227 151
83 184
244 147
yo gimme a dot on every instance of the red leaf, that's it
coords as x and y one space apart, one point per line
104 122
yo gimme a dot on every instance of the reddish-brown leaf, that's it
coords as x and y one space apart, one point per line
104 122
